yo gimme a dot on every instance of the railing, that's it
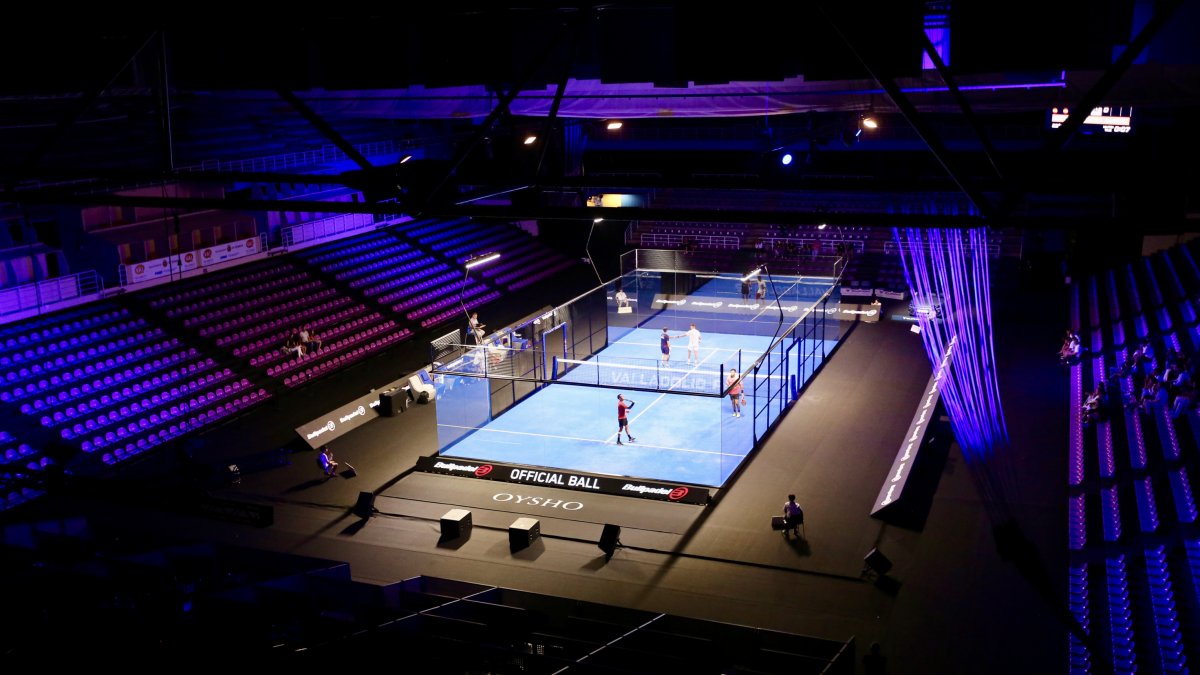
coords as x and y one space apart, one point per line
324 155
806 245
656 239
50 292
325 227
291 160
993 249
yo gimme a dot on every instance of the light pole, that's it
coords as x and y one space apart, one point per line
471 263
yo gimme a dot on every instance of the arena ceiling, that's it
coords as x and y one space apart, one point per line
709 100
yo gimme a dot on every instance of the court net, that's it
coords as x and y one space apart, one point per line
640 374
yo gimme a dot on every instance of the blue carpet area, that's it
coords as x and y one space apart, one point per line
679 438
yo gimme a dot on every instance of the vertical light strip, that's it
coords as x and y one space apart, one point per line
952 266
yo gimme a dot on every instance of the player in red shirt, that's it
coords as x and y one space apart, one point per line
623 407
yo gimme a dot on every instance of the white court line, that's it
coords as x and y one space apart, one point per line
577 438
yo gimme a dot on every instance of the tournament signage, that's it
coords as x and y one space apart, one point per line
190 260
567 480
850 312
340 420
902 466
857 291
791 308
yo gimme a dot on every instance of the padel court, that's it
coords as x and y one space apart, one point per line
543 393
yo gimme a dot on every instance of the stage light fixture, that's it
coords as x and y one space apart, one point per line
481 259
614 125
529 140
786 159
869 122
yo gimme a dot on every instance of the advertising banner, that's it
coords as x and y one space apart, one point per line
567 480
342 419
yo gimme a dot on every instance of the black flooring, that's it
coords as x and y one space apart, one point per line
949 604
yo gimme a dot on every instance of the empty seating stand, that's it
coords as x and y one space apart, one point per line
19 463
523 259
111 383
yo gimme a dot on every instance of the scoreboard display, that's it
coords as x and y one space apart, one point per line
1103 119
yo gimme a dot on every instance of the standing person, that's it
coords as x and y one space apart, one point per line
874 662
693 336
664 343
745 289
793 515
761 292
735 392
623 407
325 459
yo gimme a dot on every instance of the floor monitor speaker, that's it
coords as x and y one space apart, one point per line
877 562
365 505
610 539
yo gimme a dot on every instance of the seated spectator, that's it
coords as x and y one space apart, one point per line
310 340
326 462
1168 375
1185 398
294 346
476 328
1093 409
1176 358
1184 379
1154 394
1136 363
1068 354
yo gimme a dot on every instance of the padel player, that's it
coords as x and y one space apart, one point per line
693 336
623 407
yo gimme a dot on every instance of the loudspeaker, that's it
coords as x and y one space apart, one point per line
608 539
456 523
388 403
523 532
366 505
877 561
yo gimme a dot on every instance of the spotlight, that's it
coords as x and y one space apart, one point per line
529 140
786 159
597 220
870 122
822 226
614 125
405 158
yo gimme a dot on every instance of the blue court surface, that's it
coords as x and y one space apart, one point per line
679 438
